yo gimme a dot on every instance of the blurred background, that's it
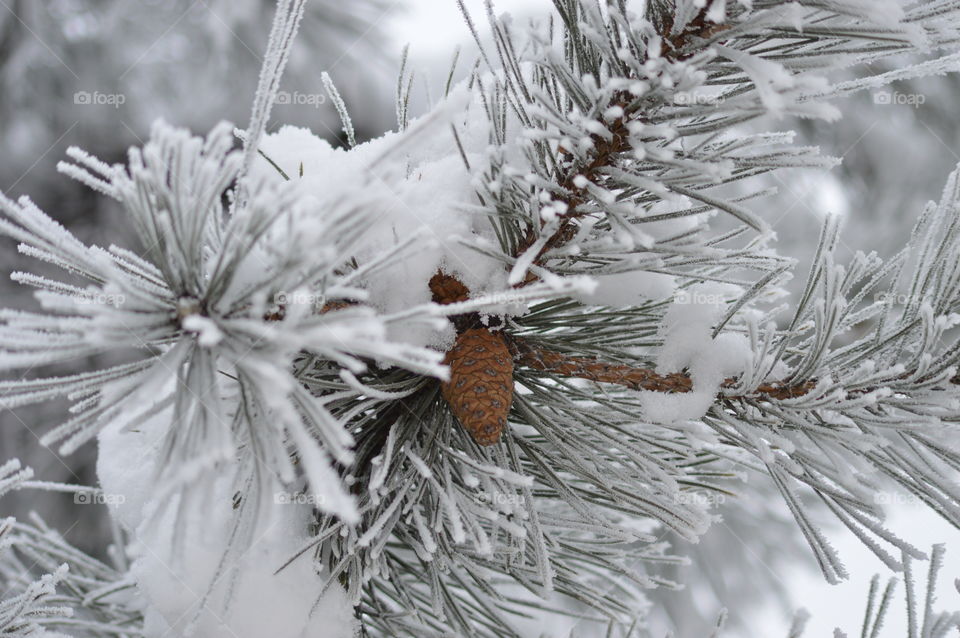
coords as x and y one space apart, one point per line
96 73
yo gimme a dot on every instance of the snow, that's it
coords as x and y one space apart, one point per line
254 602
178 572
192 577
689 345
670 227
629 289
125 462
208 334
422 195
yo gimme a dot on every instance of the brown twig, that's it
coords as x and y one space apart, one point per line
619 142
448 289
537 358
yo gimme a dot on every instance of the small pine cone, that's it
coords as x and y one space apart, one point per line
480 389
447 289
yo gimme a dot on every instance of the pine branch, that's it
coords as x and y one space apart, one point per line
574 183
447 289
537 358
582 156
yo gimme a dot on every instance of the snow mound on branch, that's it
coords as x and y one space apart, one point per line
689 346
187 586
425 189
125 462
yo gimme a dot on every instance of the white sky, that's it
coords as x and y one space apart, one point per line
831 606
442 20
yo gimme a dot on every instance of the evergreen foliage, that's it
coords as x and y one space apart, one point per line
617 205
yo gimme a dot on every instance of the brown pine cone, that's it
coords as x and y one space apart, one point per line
447 289
480 390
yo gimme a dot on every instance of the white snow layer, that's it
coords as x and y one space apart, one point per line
689 345
186 585
425 189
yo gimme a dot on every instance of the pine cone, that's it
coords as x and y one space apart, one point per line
480 390
447 289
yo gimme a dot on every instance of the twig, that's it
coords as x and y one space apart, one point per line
607 149
534 357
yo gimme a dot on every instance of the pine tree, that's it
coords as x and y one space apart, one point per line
469 376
